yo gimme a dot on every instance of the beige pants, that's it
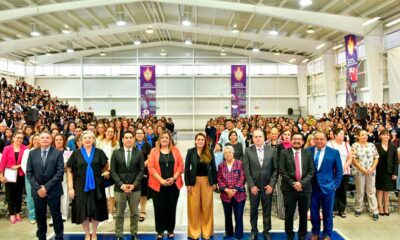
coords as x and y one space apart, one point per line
200 210
366 184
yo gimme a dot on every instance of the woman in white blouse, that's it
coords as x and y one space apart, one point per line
346 156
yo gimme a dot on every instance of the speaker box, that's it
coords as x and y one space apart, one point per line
32 115
113 113
290 111
361 113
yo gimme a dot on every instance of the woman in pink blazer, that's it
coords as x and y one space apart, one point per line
12 156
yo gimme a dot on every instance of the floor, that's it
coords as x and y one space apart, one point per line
350 228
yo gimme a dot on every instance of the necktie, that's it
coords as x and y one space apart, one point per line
316 159
297 162
129 158
260 157
44 156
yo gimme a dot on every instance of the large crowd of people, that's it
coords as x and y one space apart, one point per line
99 165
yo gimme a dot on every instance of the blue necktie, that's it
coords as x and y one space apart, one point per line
316 159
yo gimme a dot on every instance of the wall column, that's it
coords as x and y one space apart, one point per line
329 75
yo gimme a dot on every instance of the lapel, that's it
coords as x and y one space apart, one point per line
324 158
124 158
255 159
304 163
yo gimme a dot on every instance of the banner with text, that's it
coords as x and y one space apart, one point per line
147 90
238 90
351 68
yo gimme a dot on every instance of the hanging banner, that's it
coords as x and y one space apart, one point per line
238 91
147 90
351 68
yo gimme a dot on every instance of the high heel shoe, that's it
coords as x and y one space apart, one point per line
160 236
171 235
13 220
387 213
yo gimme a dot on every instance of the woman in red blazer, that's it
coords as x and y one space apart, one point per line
165 167
12 156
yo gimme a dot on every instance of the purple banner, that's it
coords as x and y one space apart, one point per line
238 90
147 90
350 42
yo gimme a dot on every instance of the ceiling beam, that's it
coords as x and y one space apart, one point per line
61 57
332 21
282 42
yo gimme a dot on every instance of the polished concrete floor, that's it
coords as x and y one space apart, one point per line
362 228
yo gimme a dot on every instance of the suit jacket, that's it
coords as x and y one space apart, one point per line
257 175
329 176
233 179
121 174
287 169
50 175
191 168
8 159
154 167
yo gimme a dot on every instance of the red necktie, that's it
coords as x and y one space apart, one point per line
297 162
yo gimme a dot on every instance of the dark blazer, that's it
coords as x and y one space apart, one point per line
257 175
329 176
287 169
392 158
50 175
121 174
191 168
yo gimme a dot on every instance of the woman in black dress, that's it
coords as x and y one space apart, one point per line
386 171
142 145
85 169
237 146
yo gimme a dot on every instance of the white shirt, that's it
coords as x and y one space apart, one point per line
321 156
344 151
260 154
126 154
294 157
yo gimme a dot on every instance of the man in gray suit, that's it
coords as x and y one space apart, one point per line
260 163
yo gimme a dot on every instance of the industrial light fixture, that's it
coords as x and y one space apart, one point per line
256 47
305 60
274 30
277 52
188 41
235 29
66 29
48 53
34 30
120 16
305 3
186 20
292 60
310 30
320 46
337 46
103 53
70 48
389 24
222 53
137 41
150 29
163 52
372 20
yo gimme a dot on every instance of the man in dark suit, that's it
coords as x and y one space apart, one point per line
327 178
127 167
261 173
297 169
45 171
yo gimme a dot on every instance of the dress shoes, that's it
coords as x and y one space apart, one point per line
134 237
315 237
326 238
254 236
267 236
120 238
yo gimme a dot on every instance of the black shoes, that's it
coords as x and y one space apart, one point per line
254 236
375 217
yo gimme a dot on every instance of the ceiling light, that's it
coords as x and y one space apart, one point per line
235 29
320 46
121 18
277 52
305 3
34 30
372 20
150 29
48 53
186 20
222 53
310 30
163 52
188 41
137 41
274 30
337 46
393 22
66 29
256 47
305 60
292 60
70 48
103 53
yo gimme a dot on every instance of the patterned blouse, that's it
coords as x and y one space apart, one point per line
365 155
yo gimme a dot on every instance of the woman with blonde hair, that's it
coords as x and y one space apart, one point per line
310 141
165 166
201 180
100 132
